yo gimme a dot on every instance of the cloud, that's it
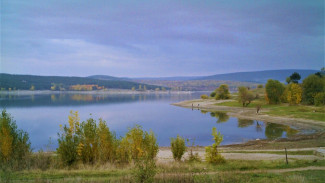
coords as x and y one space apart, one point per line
160 38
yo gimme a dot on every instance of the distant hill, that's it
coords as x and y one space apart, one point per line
259 76
24 82
200 83
105 77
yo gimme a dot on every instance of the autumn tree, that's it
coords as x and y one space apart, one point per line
293 93
14 143
107 142
274 91
222 92
245 96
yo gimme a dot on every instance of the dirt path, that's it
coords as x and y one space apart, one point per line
249 171
249 113
165 155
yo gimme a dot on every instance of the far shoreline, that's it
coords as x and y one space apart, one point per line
108 91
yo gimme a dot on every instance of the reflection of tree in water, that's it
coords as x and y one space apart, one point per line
242 123
204 112
221 116
273 130
258 127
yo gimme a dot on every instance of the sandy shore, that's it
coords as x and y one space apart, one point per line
250 113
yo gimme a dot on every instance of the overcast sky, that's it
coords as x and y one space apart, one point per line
141 38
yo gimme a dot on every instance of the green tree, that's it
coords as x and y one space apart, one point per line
222 92
274 91
319 99
245 96
213 94
178 147
295 77
88 145
69 140
211 152
311 86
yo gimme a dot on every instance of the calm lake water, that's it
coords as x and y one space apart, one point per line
40 115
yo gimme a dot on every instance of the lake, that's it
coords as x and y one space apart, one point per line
41 114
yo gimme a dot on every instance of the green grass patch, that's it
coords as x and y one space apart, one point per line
294 111
300 111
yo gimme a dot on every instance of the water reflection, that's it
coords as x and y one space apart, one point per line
221 116
272 130
242 123
70 99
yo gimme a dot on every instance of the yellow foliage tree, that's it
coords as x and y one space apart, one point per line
294 93
5 143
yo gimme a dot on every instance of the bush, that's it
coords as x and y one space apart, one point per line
14 144
145 170
274 91
211 152
213 94
319 99
260 86
136 145
178 147
222 92
204 97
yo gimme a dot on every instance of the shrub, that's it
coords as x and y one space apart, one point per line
319 99
204 97
137 144
274 91
244 96
178 147
222 92
213 94
145 170
14 144
211 152
260 86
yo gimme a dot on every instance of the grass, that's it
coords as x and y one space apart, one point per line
176 172
292 111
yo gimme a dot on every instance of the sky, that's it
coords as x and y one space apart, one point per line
152 38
